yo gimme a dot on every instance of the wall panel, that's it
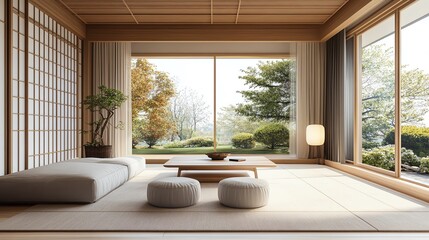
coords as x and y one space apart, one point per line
2 87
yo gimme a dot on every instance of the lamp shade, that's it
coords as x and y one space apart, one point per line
315 135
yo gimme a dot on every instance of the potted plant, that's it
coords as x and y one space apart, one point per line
103 106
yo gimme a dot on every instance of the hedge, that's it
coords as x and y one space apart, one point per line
413 137
190 143
199 142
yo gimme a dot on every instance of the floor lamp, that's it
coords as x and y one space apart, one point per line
315 136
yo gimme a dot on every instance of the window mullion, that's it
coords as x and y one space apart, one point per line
397 96
214 104
358 105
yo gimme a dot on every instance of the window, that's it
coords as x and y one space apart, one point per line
238 105
415 92
393 93
378 94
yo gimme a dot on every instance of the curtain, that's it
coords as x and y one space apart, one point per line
111 68
310 86
335 88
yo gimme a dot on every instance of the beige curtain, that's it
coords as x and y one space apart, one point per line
310 58
111 67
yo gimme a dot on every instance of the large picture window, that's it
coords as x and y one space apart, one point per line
197 105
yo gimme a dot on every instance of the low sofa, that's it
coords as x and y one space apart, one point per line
82 180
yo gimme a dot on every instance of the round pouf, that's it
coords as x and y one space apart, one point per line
173 192
243 192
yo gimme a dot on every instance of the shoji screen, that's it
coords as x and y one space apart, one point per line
18 140
2 87
54 73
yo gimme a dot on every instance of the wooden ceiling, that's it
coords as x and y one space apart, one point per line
204 11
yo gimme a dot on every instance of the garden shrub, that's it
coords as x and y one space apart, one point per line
384 157
413 137
243 140
199 142
177 144
272 135
409 158
369 145
424 165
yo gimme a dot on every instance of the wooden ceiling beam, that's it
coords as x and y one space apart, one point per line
203 32
63 15
349 13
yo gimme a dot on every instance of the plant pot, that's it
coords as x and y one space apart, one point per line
98 152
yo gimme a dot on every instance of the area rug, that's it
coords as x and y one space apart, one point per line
302 198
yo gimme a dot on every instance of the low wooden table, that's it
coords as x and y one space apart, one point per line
205 163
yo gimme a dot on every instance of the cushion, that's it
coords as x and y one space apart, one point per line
134 164
173 192
243 192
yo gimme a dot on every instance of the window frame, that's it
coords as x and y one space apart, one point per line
393 9
215 57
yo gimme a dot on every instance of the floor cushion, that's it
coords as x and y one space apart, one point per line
243 192
173 192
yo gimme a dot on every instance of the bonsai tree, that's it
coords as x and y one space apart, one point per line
103 104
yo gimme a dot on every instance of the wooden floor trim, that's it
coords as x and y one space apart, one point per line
414 190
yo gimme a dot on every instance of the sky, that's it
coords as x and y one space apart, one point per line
414 39
198 74
415 45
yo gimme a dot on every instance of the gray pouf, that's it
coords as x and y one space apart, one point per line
173 192
243 192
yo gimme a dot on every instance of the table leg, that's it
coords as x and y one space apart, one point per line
179 172
256 172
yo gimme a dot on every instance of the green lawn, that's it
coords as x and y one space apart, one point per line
203 150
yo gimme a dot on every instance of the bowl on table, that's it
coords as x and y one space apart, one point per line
218 155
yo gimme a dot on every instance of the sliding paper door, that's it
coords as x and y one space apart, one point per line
18 90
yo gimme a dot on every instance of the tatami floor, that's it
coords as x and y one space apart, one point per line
306 202
216 236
